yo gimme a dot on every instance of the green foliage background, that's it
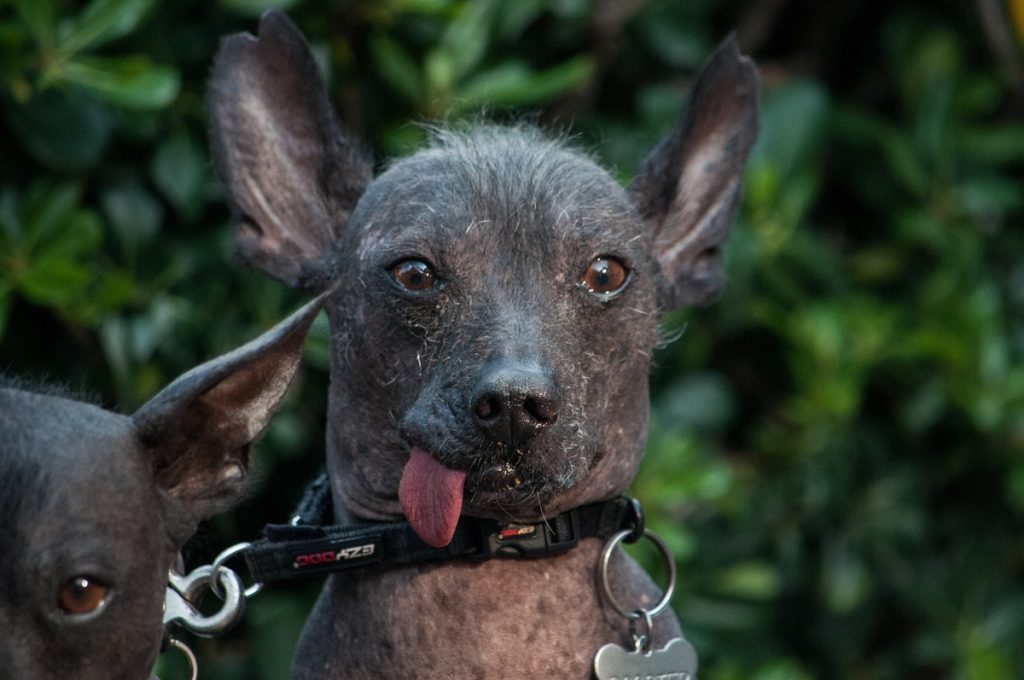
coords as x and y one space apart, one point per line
837 446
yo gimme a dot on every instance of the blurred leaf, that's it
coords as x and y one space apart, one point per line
397 67
63 130
678 471
130 342
440 74
114 290
925 60
318 345
783 669
513 84
133 214
988 195
702 401
55 273
134 82
680 45
54 281
38 17
423 6
793 117
465 40
994 144
10 220
402 140
6 297
45 207
749 580
513 17
255 8
933 133
782 171
80 235
101 22
275 623
845 581
723 614
180 171
1015 487
984 660
288 435
660 106
574 10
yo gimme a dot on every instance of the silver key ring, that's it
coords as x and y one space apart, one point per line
602 575
183 648
222 559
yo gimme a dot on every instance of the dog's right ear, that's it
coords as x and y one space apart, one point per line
688 186
292 177
198 430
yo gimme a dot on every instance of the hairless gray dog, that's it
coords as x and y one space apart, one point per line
95 506
497 303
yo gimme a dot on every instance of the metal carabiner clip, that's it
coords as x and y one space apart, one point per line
183 591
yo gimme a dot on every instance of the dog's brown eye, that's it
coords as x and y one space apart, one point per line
82 595
414 275
604 275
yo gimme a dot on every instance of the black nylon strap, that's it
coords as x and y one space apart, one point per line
315 506
288 552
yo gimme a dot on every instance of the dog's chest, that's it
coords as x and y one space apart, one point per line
499 619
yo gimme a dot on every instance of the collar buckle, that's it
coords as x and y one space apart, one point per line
529 540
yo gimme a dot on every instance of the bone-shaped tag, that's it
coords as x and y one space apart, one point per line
677 661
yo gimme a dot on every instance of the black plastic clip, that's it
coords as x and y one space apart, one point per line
524 541
634 520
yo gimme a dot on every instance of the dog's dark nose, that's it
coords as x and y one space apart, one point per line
513 402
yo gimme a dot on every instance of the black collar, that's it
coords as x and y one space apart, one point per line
307 547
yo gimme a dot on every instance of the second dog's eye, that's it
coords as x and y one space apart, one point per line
414 275
82 595
604 276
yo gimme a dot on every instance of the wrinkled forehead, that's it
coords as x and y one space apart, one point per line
515 188
50 443
63 461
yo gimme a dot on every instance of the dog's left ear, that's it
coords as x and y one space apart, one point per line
197 431
688 186
292 177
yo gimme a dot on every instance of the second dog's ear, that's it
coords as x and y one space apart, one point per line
198 429
688 186
291 176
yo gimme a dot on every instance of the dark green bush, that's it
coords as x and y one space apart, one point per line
837 446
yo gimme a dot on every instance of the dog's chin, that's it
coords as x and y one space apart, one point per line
514 504
503 491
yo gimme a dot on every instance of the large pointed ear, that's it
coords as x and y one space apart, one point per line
292 177
687 188
199 428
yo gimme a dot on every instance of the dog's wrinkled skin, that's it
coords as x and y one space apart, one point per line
501 365
86 493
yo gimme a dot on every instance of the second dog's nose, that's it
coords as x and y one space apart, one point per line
513 403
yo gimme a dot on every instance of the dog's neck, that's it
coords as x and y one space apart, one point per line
435 619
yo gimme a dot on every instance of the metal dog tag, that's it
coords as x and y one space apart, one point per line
677 661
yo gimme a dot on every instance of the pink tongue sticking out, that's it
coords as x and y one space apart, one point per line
431 497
